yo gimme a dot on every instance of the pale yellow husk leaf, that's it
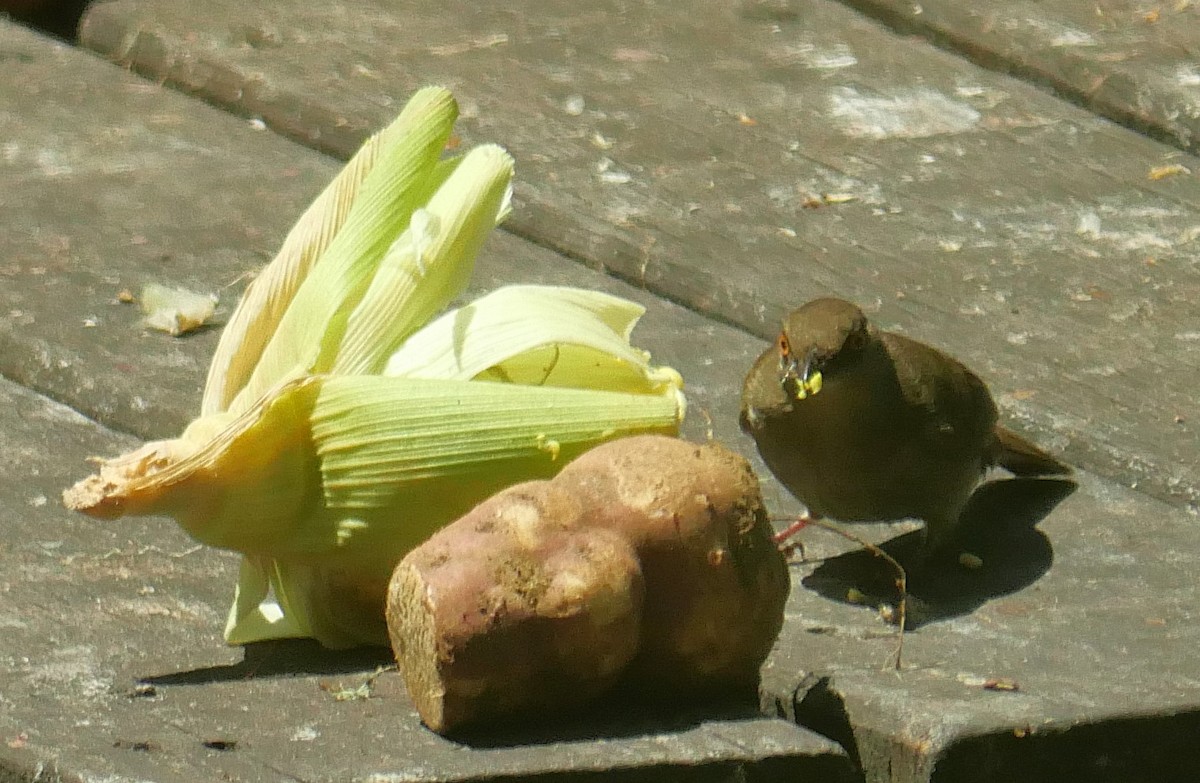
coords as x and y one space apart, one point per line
539 335
308 335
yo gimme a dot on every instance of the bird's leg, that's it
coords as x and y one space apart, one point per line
781 538
798 524
901 616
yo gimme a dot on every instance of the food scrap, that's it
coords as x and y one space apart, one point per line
1001 684
1169 170
647 560
176 311
970 560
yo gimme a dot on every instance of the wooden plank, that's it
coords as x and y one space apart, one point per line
1134 62
153 186
681 146
80 146
87 608
92 610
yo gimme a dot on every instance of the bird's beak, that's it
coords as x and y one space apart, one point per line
807 378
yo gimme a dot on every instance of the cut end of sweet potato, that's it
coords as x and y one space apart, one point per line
514 609
416 645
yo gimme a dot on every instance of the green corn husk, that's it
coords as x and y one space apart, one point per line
376 211
339 428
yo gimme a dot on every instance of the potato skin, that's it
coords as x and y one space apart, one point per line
716 582
515 607
647 561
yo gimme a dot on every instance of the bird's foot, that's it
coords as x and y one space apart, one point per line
898 616
790 548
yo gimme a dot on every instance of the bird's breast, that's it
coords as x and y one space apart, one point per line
851 452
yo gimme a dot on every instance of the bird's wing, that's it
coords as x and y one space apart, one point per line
959 409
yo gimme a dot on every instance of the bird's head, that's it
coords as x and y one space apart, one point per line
816 340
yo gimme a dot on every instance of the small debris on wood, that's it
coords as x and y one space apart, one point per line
970 560
360 692
610 175
462 47
142 746
989 683
574 105
222 745
1001 684
827 199
143 690
1170 170
176 311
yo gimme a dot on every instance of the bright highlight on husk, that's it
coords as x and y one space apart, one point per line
340 427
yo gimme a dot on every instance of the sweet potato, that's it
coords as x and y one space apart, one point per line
716 583
514 607
647 559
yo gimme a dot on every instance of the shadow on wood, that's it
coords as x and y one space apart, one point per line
1136 748
282 658
998 527
620 713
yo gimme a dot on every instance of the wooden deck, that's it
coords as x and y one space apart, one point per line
685 147
1015 182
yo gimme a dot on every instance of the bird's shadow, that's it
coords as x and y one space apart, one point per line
998 527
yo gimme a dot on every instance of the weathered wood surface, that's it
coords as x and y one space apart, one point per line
1137 63
1014 670
743 157
79 148
91 610
153 187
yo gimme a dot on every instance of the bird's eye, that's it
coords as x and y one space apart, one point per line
785 348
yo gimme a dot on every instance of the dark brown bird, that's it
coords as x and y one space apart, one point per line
863 425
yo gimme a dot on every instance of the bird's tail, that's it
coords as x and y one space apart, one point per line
1022 458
